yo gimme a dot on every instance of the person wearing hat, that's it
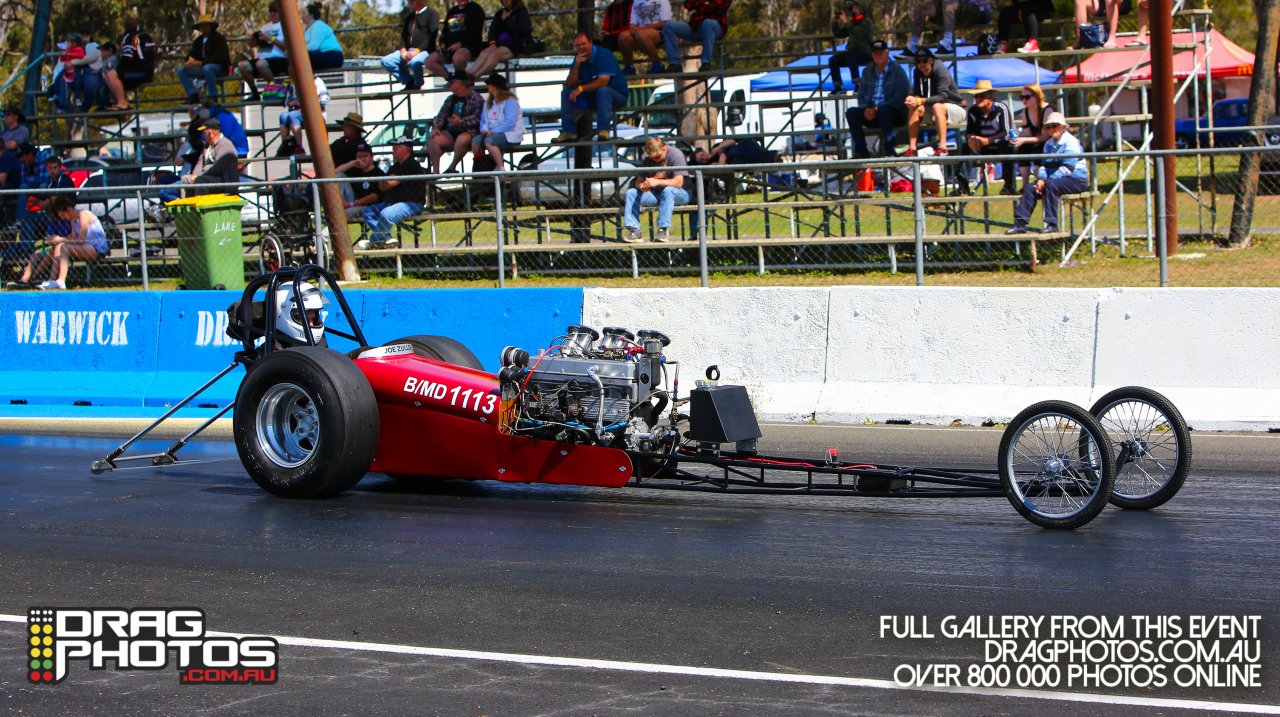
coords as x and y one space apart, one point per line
343 148
218 163
418 32
456 123
1064 172
15 131
989 130
362 189
934 98
209 59
509 34
402 195
882 95
852 22
501 124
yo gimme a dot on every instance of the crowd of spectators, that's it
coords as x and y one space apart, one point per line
466 44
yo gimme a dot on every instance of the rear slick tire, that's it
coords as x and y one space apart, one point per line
305 423
1056 465
1152 443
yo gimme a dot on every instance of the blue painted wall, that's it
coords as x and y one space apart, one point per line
152 349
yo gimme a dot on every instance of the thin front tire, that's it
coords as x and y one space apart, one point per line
1056 465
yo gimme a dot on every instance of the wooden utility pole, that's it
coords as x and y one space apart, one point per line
1261 107
304 84
1162 110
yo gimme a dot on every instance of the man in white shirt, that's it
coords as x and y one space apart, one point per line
269 58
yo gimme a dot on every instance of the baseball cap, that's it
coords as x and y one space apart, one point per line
459 76
402 140
363 147
923 54
26 147
211 123
879 45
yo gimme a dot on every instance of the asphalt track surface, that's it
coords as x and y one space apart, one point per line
715 601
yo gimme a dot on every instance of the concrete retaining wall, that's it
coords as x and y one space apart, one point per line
843 354
852 354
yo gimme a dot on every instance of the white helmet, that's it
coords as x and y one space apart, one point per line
291 314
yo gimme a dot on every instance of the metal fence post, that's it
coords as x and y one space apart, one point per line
702 229
318 210
919 207
501 233
1162 213
142 243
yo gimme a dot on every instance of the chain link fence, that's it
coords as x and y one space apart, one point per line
822 222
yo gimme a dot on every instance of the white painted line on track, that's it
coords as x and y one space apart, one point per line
652 668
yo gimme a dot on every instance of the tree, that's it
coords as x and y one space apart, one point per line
1261 106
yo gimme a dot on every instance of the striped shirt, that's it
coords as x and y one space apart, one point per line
996 125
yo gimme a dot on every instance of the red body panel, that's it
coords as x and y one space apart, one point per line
438 419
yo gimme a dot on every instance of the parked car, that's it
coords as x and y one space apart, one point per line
1227 114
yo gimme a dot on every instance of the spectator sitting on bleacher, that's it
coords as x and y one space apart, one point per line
269 60
113 87
988 130
643 33
88 78
936 96
1034 134
64 81
747 150
362 189
28 174
967 12
1066 172
15 130
323 47
663 189
882 95
501 124
343 148
509 33
617 18
851 21
596 80
456 123
10 175
708 22
1031 12
399 199
82 238
33 219
418 32
1112 10
209 60
461 38
218 163
291 118
137 55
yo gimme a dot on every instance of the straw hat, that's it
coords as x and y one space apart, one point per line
1055 118
981 87
205 18
354 118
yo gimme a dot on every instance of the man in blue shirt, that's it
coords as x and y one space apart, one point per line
882 97
595 82
1066 172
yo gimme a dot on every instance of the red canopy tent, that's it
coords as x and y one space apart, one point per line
1227 60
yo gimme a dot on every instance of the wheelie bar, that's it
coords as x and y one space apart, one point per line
166 457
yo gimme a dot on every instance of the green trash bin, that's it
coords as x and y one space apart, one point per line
210 243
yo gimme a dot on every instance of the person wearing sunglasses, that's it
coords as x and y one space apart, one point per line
935 100
1033 134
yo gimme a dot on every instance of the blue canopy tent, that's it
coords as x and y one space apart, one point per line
1006 72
